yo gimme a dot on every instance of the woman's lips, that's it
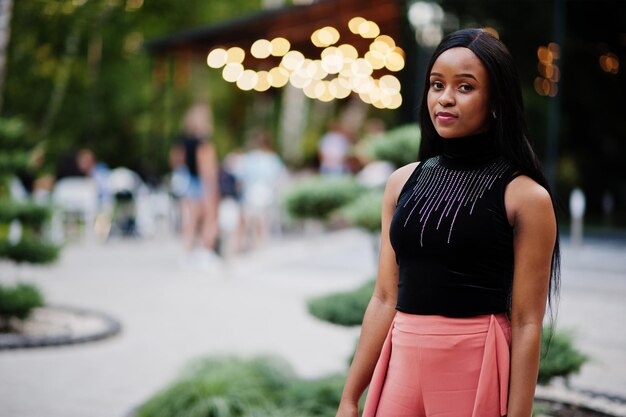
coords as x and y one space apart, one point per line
445 117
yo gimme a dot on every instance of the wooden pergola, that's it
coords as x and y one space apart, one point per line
296 24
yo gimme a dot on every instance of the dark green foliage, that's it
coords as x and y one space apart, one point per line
29 250
365 211
558 356
275 411
259 387
318 197
11 132
14 157
399 146
220 387
104 90
344 308
19 301
319 397
13 161
29 214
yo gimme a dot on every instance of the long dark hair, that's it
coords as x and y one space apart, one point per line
509 129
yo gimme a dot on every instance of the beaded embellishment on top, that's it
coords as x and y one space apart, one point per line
455 189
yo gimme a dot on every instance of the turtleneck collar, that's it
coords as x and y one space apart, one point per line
469 151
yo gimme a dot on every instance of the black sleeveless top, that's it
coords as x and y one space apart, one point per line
190 145
450 233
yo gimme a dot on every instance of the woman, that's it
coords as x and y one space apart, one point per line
469 252
196 159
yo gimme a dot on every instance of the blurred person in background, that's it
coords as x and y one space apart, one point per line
196 182
261 174
333 151
89 166
67 166
32 182
372 173
469 253
231 220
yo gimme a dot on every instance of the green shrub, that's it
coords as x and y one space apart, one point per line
259 387
30 250
319 397
19 301
29 214
344 308
364 212
558 356
222 387
316 198
399 146
274 411
12 131
13 161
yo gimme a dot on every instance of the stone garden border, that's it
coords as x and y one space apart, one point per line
54 325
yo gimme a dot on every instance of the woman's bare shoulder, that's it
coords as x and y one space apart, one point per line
525 196
524 188
403 173
398 178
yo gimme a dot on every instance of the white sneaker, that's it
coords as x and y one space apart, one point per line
208 261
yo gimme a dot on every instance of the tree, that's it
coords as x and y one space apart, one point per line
78 76
20 226
6 7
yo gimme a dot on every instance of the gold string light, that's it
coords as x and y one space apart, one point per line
264 81
278 77
235 55
609 63
261 48
549 74
217 58
338 72
232 71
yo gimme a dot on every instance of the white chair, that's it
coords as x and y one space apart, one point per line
123 179
75 200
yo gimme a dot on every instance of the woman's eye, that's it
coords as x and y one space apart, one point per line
436 85
466 87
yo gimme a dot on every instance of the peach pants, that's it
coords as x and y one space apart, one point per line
434 366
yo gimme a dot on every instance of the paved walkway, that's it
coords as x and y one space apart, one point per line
256 306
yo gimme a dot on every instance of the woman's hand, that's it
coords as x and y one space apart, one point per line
347 409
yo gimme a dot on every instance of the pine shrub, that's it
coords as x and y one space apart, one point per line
19 301
318 197
30 250
399 146
343 308
559 358
29 214
364 212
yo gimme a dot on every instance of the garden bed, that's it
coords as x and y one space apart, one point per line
57 325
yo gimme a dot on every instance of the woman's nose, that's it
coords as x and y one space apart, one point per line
446 98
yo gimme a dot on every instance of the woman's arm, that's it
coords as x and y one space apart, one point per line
534 226
382 306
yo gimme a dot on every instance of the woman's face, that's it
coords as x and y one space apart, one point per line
458 97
